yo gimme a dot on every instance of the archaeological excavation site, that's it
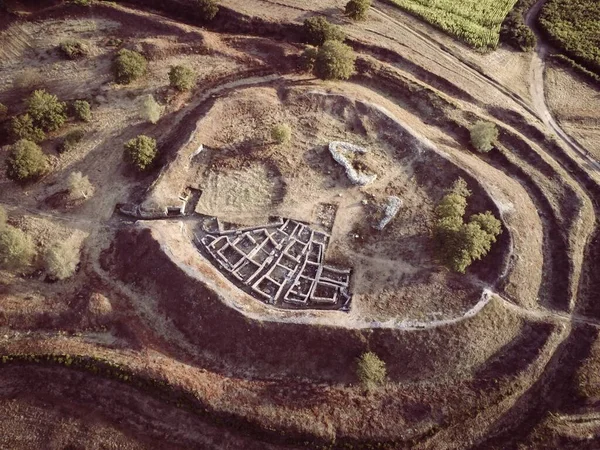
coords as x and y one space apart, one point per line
260 224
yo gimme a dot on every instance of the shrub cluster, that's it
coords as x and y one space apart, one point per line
151 109
22 127
281 133
573 26
16 248
71 140
317 30
44 113
129 66
370 370
141 152
26 161
61 260
79 186
459 243
47 112
357 9
182 78
483 136
74 49
82 110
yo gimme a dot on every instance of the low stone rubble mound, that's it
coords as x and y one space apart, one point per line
391 209
359 178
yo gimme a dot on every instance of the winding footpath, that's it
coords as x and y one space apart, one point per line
537 86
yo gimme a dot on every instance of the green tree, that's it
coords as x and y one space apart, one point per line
47 112
370 370
335 61
61 260
82 110
16 248
22 127
129 66
483 136
357 9
206 10
318 30
281 133
141 151
26 161
182 78
460 244
488 223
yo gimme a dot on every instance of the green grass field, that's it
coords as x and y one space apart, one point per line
477 22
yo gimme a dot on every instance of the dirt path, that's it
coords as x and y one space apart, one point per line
538 66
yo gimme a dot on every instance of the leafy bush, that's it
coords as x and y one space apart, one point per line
79 186
335 61
26 161
47 112
3 112
483 136
318 30
61 260
74 49
460 244
82 2
71 140
357 9
573 26
129 66
308 59
22 127
206 10
17 250
370 370
182 78
140 151
82 110
151 109
281 133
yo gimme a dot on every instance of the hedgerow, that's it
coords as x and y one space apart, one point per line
514 31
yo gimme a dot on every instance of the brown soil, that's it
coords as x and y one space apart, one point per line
203 365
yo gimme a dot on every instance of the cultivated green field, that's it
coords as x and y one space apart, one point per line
477 22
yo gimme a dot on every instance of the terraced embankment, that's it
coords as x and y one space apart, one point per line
190 361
